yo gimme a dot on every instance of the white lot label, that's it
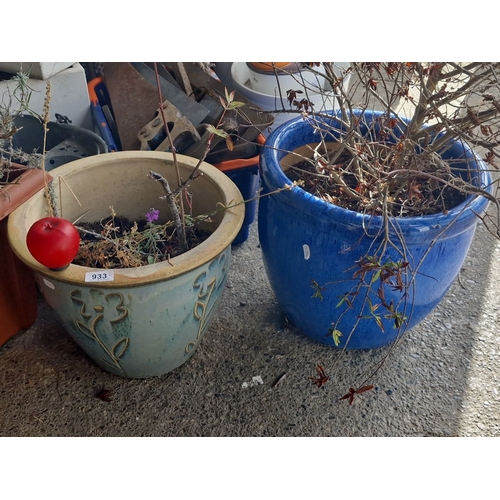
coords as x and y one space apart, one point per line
93 276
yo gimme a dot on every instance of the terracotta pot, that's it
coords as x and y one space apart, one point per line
19 184
18 298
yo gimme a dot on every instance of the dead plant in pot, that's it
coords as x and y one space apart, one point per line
391 190
116 241
20 172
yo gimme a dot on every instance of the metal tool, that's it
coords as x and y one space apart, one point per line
153 135
192 110
100 118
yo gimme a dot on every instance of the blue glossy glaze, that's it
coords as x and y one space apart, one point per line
304 238
247 181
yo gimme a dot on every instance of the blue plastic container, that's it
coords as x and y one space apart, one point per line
247 181
245 174
304 238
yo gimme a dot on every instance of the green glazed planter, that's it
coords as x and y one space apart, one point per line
149 320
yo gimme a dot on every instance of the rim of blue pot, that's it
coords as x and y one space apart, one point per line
273 152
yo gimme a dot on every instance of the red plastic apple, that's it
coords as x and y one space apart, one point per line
53 242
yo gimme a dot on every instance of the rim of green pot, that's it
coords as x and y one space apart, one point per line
209 249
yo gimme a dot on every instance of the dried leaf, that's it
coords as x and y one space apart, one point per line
352 392
104 395
321 378
364 389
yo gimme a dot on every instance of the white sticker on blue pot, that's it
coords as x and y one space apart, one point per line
307 252
49 283
98 276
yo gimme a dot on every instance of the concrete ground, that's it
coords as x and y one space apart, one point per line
441 379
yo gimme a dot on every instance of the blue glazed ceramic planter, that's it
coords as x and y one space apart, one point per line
144 321
304 238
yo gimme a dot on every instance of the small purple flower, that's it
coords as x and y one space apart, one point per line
152 215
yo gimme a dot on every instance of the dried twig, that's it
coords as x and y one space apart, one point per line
170 197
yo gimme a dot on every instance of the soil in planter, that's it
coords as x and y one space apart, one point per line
117 243
416 196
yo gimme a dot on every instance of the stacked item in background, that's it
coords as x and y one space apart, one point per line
69 94
125 107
